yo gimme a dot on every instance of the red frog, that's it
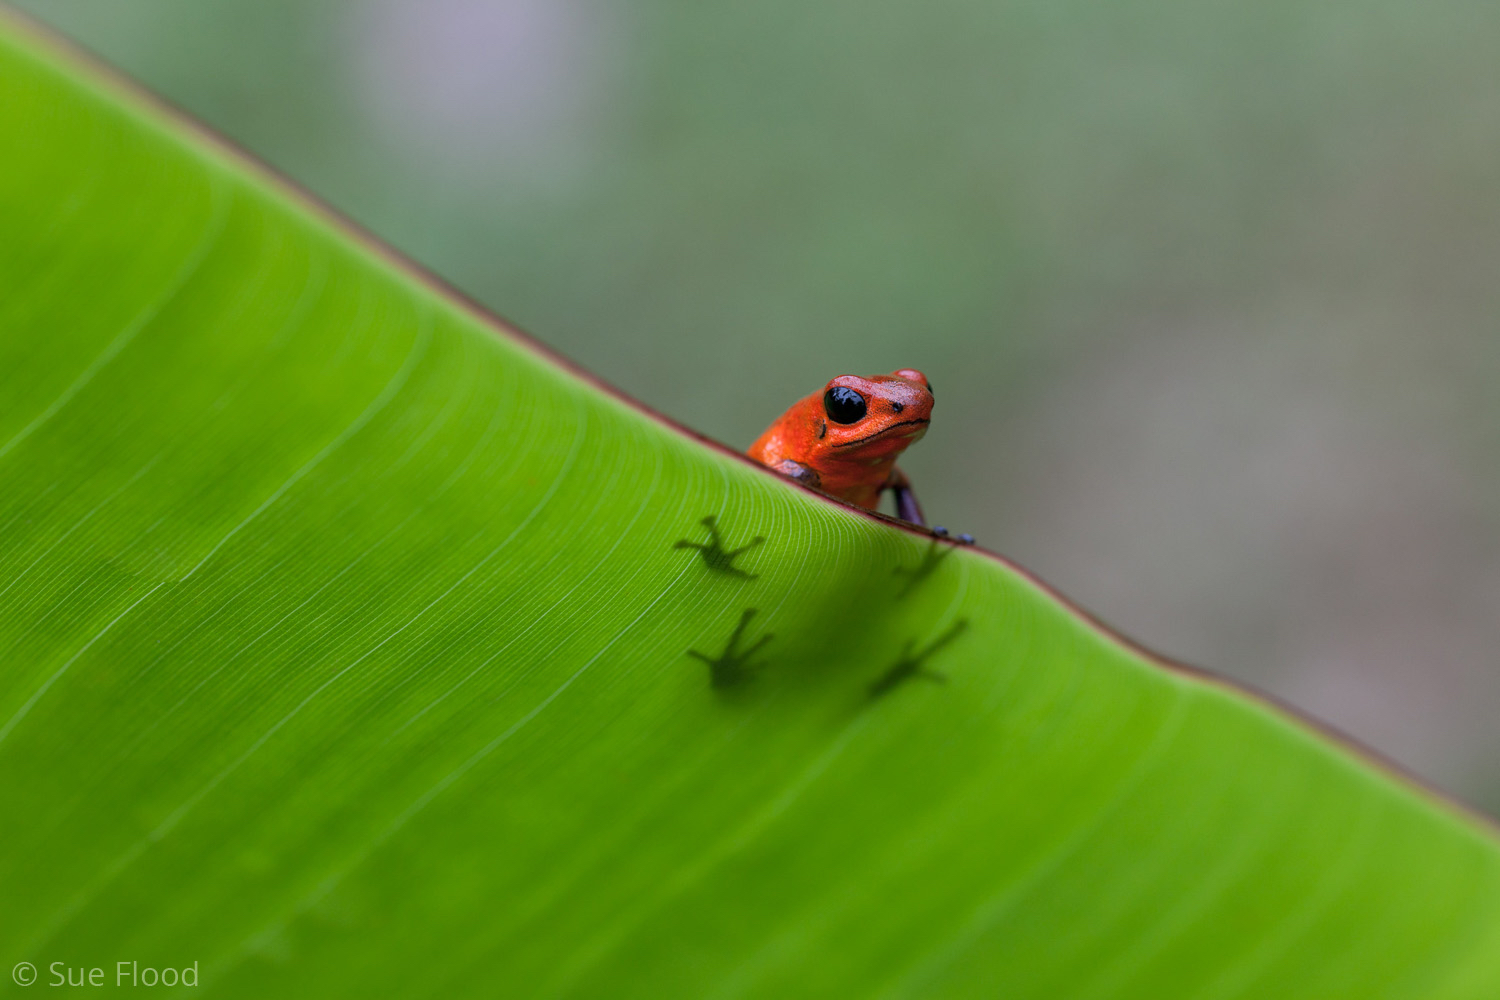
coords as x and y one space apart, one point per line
844 439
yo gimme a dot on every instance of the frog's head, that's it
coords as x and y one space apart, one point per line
875 418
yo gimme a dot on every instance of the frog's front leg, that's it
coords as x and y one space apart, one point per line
907 507
804 474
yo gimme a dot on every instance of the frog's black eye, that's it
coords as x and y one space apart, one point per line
843 405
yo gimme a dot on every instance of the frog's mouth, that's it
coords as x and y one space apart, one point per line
884 431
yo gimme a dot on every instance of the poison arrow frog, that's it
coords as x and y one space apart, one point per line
845 439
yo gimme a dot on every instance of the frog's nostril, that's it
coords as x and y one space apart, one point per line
897 407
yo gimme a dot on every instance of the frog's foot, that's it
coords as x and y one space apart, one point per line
804 474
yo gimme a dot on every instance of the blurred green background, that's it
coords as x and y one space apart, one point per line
1208 291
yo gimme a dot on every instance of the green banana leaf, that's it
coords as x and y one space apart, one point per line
350 645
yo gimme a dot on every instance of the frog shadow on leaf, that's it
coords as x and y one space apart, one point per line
715 556
733 668
932 557
912 662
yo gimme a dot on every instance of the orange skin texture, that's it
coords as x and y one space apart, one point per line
856 461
